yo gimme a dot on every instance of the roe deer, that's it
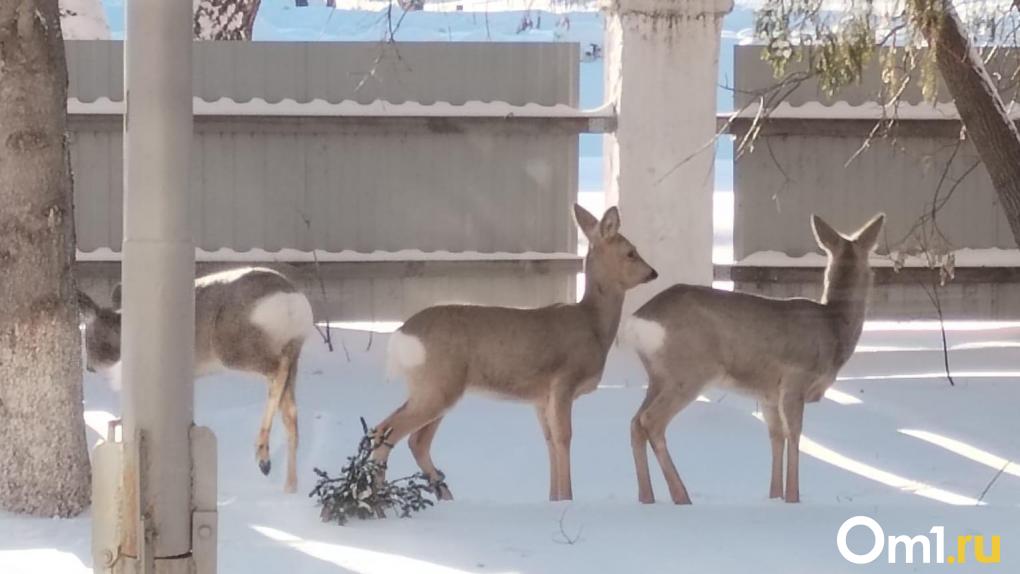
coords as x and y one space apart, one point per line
784 352
547 356
249 319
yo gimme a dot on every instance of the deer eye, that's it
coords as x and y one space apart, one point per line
632 254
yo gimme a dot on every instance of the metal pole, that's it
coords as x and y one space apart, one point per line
158 282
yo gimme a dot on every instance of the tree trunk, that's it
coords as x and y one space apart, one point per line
995 137
224 19
44 464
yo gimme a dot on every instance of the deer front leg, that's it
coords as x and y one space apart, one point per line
560 425
793 420
543 420
777 439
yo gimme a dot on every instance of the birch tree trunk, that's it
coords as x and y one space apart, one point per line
225 19
83 20
44 464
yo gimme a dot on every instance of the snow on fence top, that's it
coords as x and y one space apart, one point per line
988 257
105 254
842 110
348 108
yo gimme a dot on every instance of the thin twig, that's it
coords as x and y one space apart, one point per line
327 337
992 482
767 100
565 538
936 301
343 345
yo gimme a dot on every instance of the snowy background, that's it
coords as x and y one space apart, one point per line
893 440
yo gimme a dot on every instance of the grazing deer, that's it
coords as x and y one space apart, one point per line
547 356
249 319
784 352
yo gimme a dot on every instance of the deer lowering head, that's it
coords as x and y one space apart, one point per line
102 333
249 319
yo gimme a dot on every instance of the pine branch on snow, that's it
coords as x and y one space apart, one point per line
356 494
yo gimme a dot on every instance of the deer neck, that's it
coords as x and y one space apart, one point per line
604 304
846 296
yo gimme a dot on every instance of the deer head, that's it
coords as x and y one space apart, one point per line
612 260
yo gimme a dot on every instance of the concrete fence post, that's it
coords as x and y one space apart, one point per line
661 73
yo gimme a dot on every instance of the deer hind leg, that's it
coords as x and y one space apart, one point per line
414 414
277 383
639 444
288 408
777 438
654 418
792 411
420 443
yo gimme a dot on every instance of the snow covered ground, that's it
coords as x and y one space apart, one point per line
895 443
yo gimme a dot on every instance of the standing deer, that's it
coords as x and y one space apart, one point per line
249 319
784 352
547 356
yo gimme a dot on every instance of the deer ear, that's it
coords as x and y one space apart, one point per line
867 237
115 295
587 222
86 306
610 224
828 238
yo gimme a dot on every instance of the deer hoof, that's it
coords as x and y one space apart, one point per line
265 466
443 492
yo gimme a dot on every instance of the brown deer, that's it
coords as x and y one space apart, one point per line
784 352
249 319
547 356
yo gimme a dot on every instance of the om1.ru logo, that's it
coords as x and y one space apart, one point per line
912 544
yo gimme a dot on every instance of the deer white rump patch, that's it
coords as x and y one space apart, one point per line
643 335
283 316
403 353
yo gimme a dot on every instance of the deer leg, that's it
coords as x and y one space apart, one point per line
288 408
639 444
410 417
793 419
277 384
777 438
420 443
560 404
543 420
654 420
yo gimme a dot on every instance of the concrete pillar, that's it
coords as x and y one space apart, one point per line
661 73
158 282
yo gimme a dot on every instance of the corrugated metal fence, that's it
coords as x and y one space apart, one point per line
284 179
811 157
